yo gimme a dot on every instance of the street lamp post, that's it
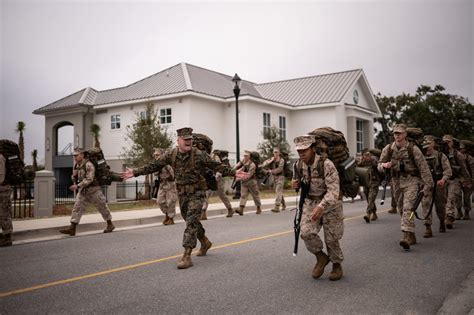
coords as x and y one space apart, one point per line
237 82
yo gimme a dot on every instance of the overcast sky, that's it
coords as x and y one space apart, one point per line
50 49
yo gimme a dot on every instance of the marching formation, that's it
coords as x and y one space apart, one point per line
421 169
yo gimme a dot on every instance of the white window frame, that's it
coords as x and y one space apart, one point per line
282 127
143 114
359 135
115 122
167 118
267 123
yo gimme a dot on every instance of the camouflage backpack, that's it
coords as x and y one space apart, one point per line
332 144
202 142
103 174
14 164
223 156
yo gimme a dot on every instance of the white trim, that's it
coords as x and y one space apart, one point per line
362 109
187 79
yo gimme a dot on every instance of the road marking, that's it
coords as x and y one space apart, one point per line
145 263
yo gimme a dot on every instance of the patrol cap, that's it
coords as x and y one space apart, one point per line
399 128
303 142
78 151
247 152
185 133
448 138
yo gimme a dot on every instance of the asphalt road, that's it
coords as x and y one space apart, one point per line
250 270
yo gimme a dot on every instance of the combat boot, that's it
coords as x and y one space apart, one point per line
276 208
405 241
169 222
230 212
6 240
449 222
412 238
186 261
374 216
442 227
259 210
283 206
204 216
110 227
166 219
240 211
466 216
393 210
336 273
71 230
205 245
367 218
428 232
322 261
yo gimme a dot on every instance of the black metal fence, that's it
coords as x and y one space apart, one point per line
23 200
134 191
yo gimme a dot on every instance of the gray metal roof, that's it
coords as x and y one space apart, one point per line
183 77
327 88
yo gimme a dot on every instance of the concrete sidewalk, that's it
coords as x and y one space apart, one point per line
33 230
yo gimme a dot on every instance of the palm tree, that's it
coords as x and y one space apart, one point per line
20 127
34 155
95 129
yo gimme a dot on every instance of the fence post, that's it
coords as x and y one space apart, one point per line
44 193
112 192
136 190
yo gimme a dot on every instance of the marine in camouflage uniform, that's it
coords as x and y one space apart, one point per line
250 185
322 207
371 191
167 194
467 189
88 191
277 165
189 164
410 173
221 186
441 171
5 205
460 177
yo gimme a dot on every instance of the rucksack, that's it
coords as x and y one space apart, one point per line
202 142
223 156
415 135
14 164
103 174
332 144
287 169
255 158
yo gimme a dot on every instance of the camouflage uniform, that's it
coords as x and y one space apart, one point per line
439 163
371 191
5 201
277 170
324 191
89 191
460 173
467 189
221 186
167 194
249 185
191 185
407 182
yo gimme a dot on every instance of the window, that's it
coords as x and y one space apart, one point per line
266 125
115 122
282 127
360 135
143 115
165 116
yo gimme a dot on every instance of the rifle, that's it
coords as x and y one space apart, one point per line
156 187
299 211
418 199
384 185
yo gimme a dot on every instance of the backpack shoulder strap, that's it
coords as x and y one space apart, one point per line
320 166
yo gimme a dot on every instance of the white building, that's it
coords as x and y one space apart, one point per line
187 95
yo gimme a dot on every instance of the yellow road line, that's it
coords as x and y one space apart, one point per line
145 263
